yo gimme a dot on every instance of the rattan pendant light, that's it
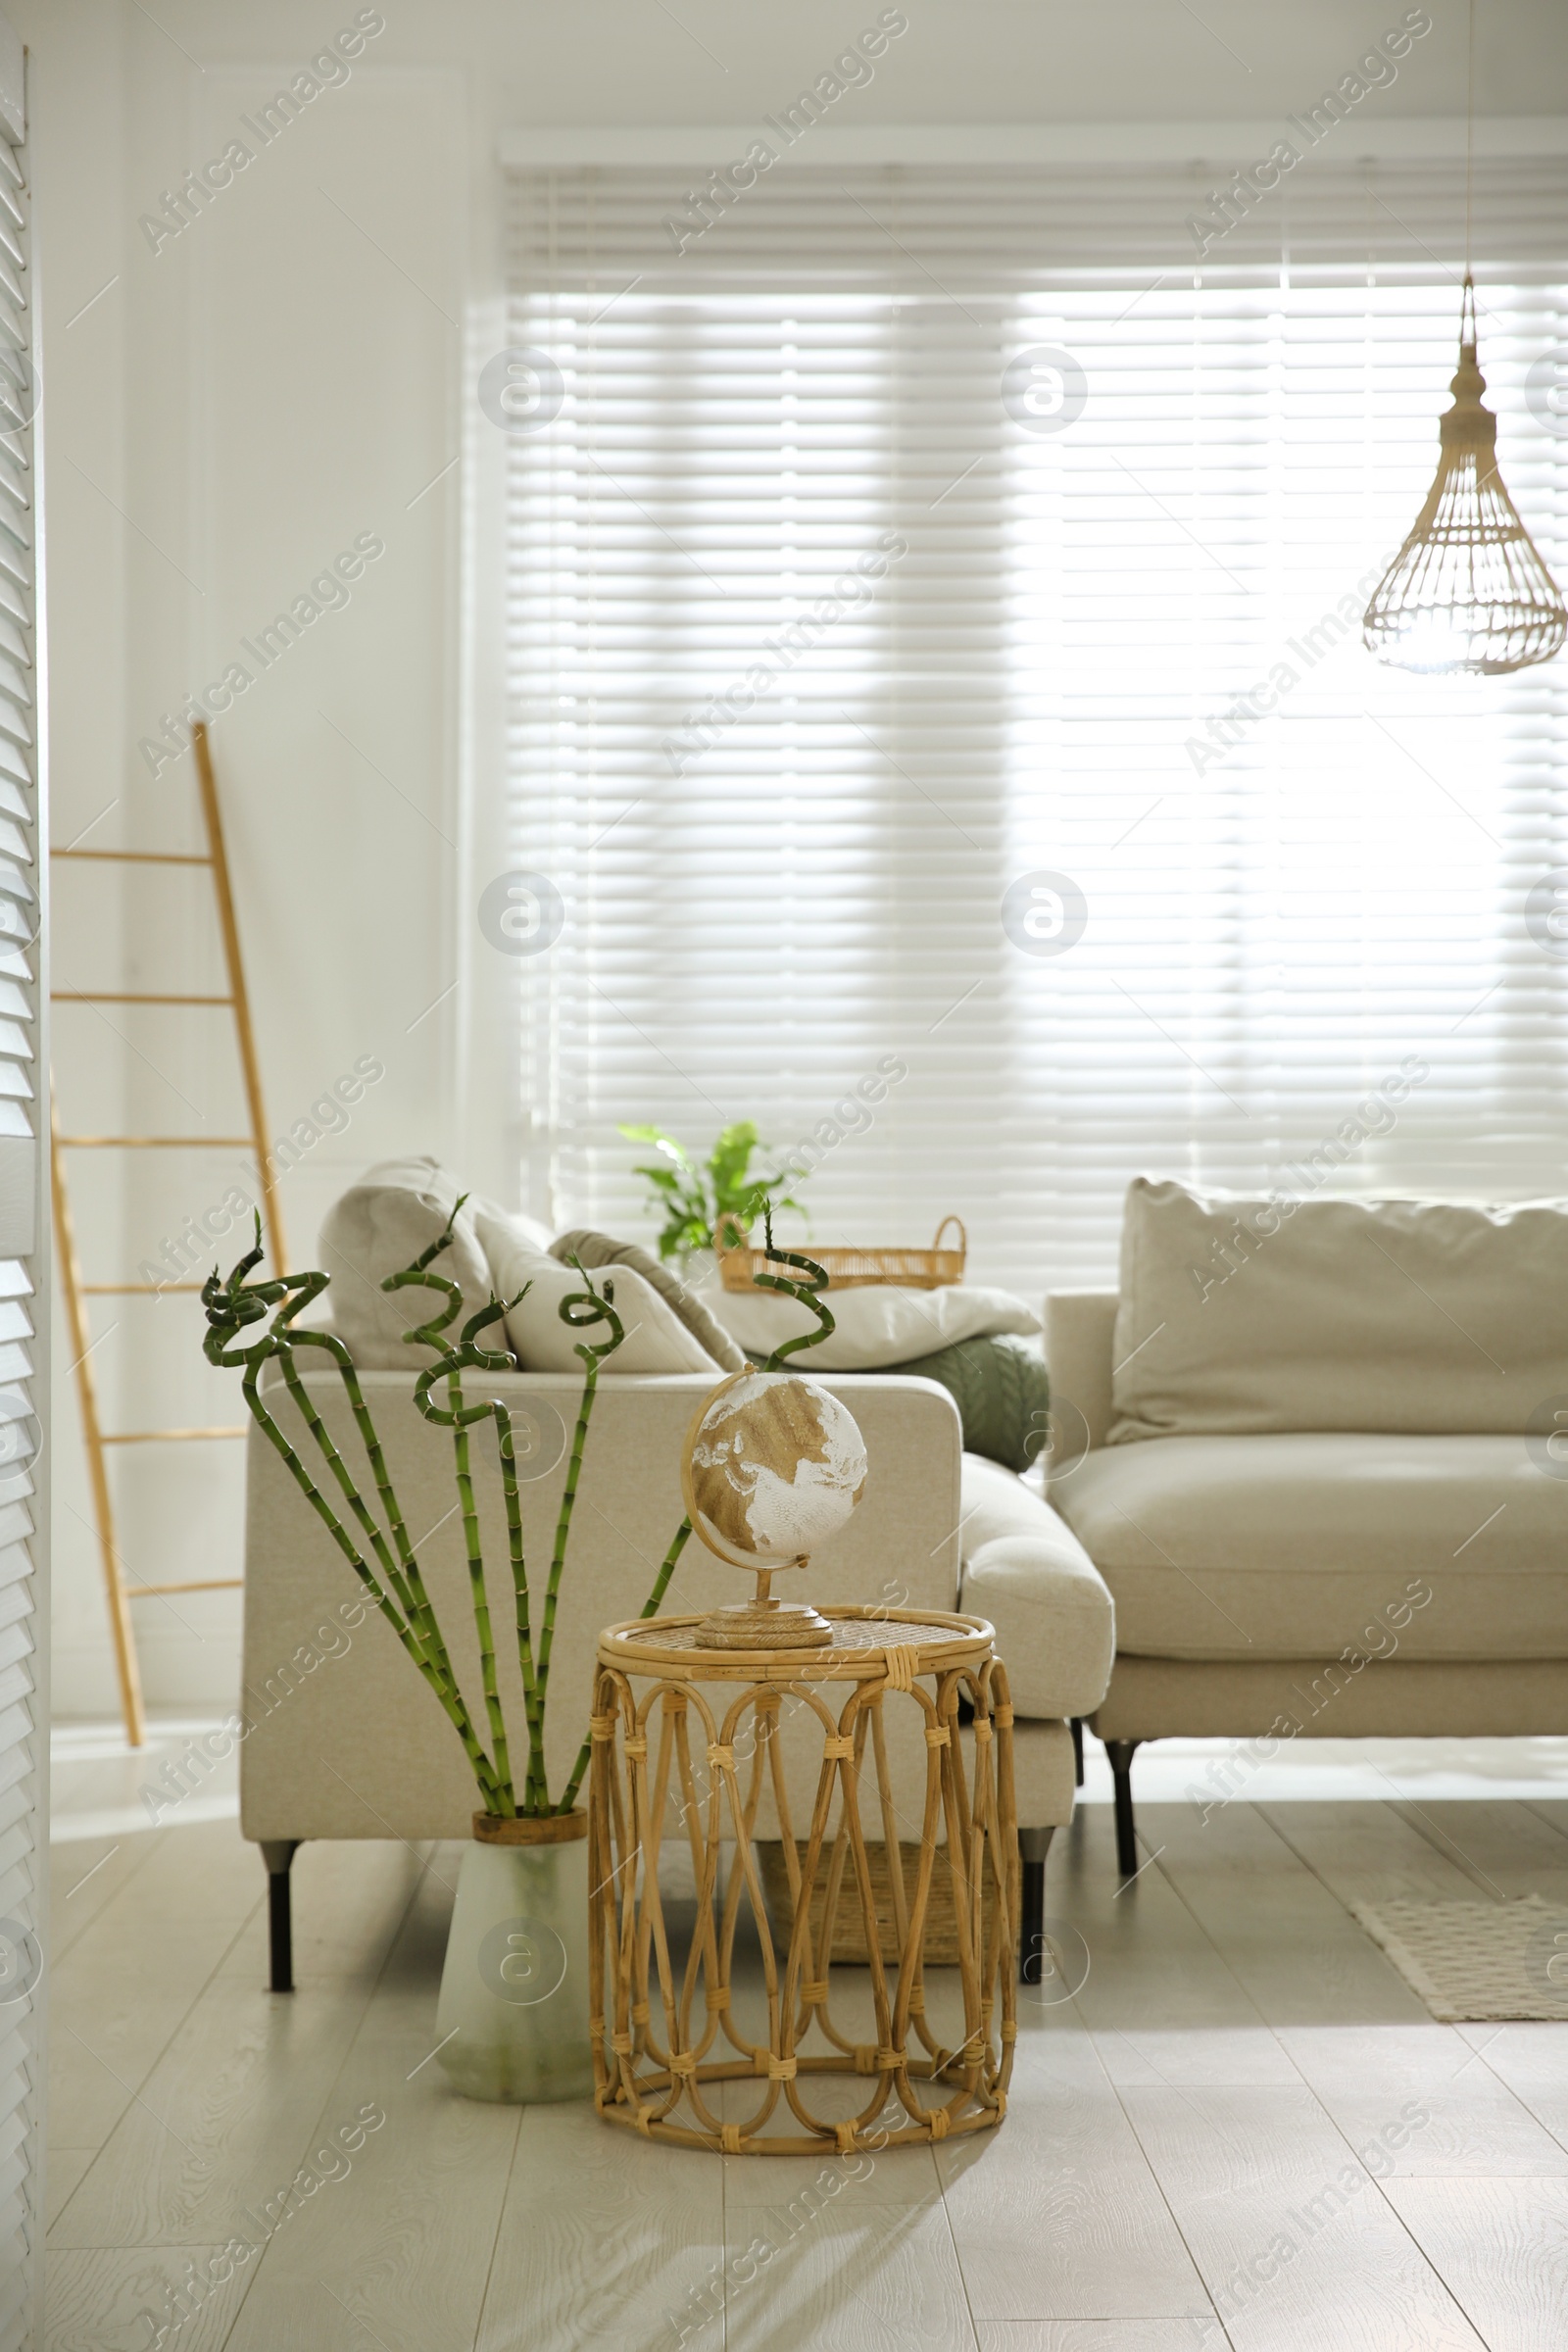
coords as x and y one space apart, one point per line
1468 589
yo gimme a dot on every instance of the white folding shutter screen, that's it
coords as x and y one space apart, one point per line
1286 905
24 1270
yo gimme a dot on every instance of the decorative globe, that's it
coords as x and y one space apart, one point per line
774 1467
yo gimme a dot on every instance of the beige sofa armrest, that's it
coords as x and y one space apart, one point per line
1079 1335
340 1737
1026 1571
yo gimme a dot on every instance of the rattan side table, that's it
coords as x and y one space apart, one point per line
662 2035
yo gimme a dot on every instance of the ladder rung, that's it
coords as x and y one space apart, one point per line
160 1143
85 996
250 1148
134 1290
169 1437
212 1584
135 857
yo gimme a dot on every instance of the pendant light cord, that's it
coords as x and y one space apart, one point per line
1469 137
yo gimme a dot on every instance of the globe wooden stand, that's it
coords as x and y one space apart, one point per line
763 1623
659 2043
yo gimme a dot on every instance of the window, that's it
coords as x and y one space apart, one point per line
910 537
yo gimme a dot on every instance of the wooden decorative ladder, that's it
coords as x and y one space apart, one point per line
120 1592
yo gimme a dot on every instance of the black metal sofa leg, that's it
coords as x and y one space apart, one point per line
277 1853
1120 1752
1077 1725
1033 1846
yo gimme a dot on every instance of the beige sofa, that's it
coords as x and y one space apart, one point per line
341 1738
1311 1446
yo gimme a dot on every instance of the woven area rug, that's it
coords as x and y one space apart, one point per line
1477 1963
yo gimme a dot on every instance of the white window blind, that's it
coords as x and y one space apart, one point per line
23 1260
1288 900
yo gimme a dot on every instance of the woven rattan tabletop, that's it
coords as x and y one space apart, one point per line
861 1642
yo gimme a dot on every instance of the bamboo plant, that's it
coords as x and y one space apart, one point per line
379 1550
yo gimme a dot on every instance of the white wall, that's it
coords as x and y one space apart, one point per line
294 370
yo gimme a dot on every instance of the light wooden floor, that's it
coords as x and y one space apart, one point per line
1173 2130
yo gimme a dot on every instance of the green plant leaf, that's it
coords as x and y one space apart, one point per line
661 1143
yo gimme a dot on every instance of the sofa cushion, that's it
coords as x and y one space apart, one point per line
379 1226
656 1339
1029 1574
1294 1546
591 1248
876 1326
1003 1392
1245 1317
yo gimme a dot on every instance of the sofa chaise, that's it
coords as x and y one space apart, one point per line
1318 1451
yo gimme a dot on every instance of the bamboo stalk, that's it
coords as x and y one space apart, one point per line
229 1308
807 1292
232 1305
452 1701
557 1557
420 1611
599 1310
535 1784
650 1609
480 1597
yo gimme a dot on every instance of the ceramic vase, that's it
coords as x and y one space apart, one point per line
512 2021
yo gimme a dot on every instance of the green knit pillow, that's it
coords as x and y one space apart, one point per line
1002 1390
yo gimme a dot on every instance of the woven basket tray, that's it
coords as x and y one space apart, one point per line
852 1269
940 1942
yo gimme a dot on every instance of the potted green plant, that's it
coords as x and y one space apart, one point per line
513 2012
699 1199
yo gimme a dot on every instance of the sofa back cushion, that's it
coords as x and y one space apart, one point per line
656 1340
876 1327
1249 1316
591 1249
379 1226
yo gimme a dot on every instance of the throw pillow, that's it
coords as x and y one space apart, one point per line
379 1226
1252 1316
1003 1392
598 1249
656 1340
875 1329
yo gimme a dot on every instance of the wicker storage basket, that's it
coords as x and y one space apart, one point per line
852 1269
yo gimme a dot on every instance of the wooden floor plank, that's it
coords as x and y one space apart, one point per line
101 2296
86 1874
849 2275
567 2151
1292 1946
224 2114
902 2177
1103 2335
1185 2020
1533 2061
116 2003
1481 2122
1296 2243
1503 2246
1445 1850
1057 2214
64 2170
577 2276
342 1909
1506 1846
397 2241
1474 2122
